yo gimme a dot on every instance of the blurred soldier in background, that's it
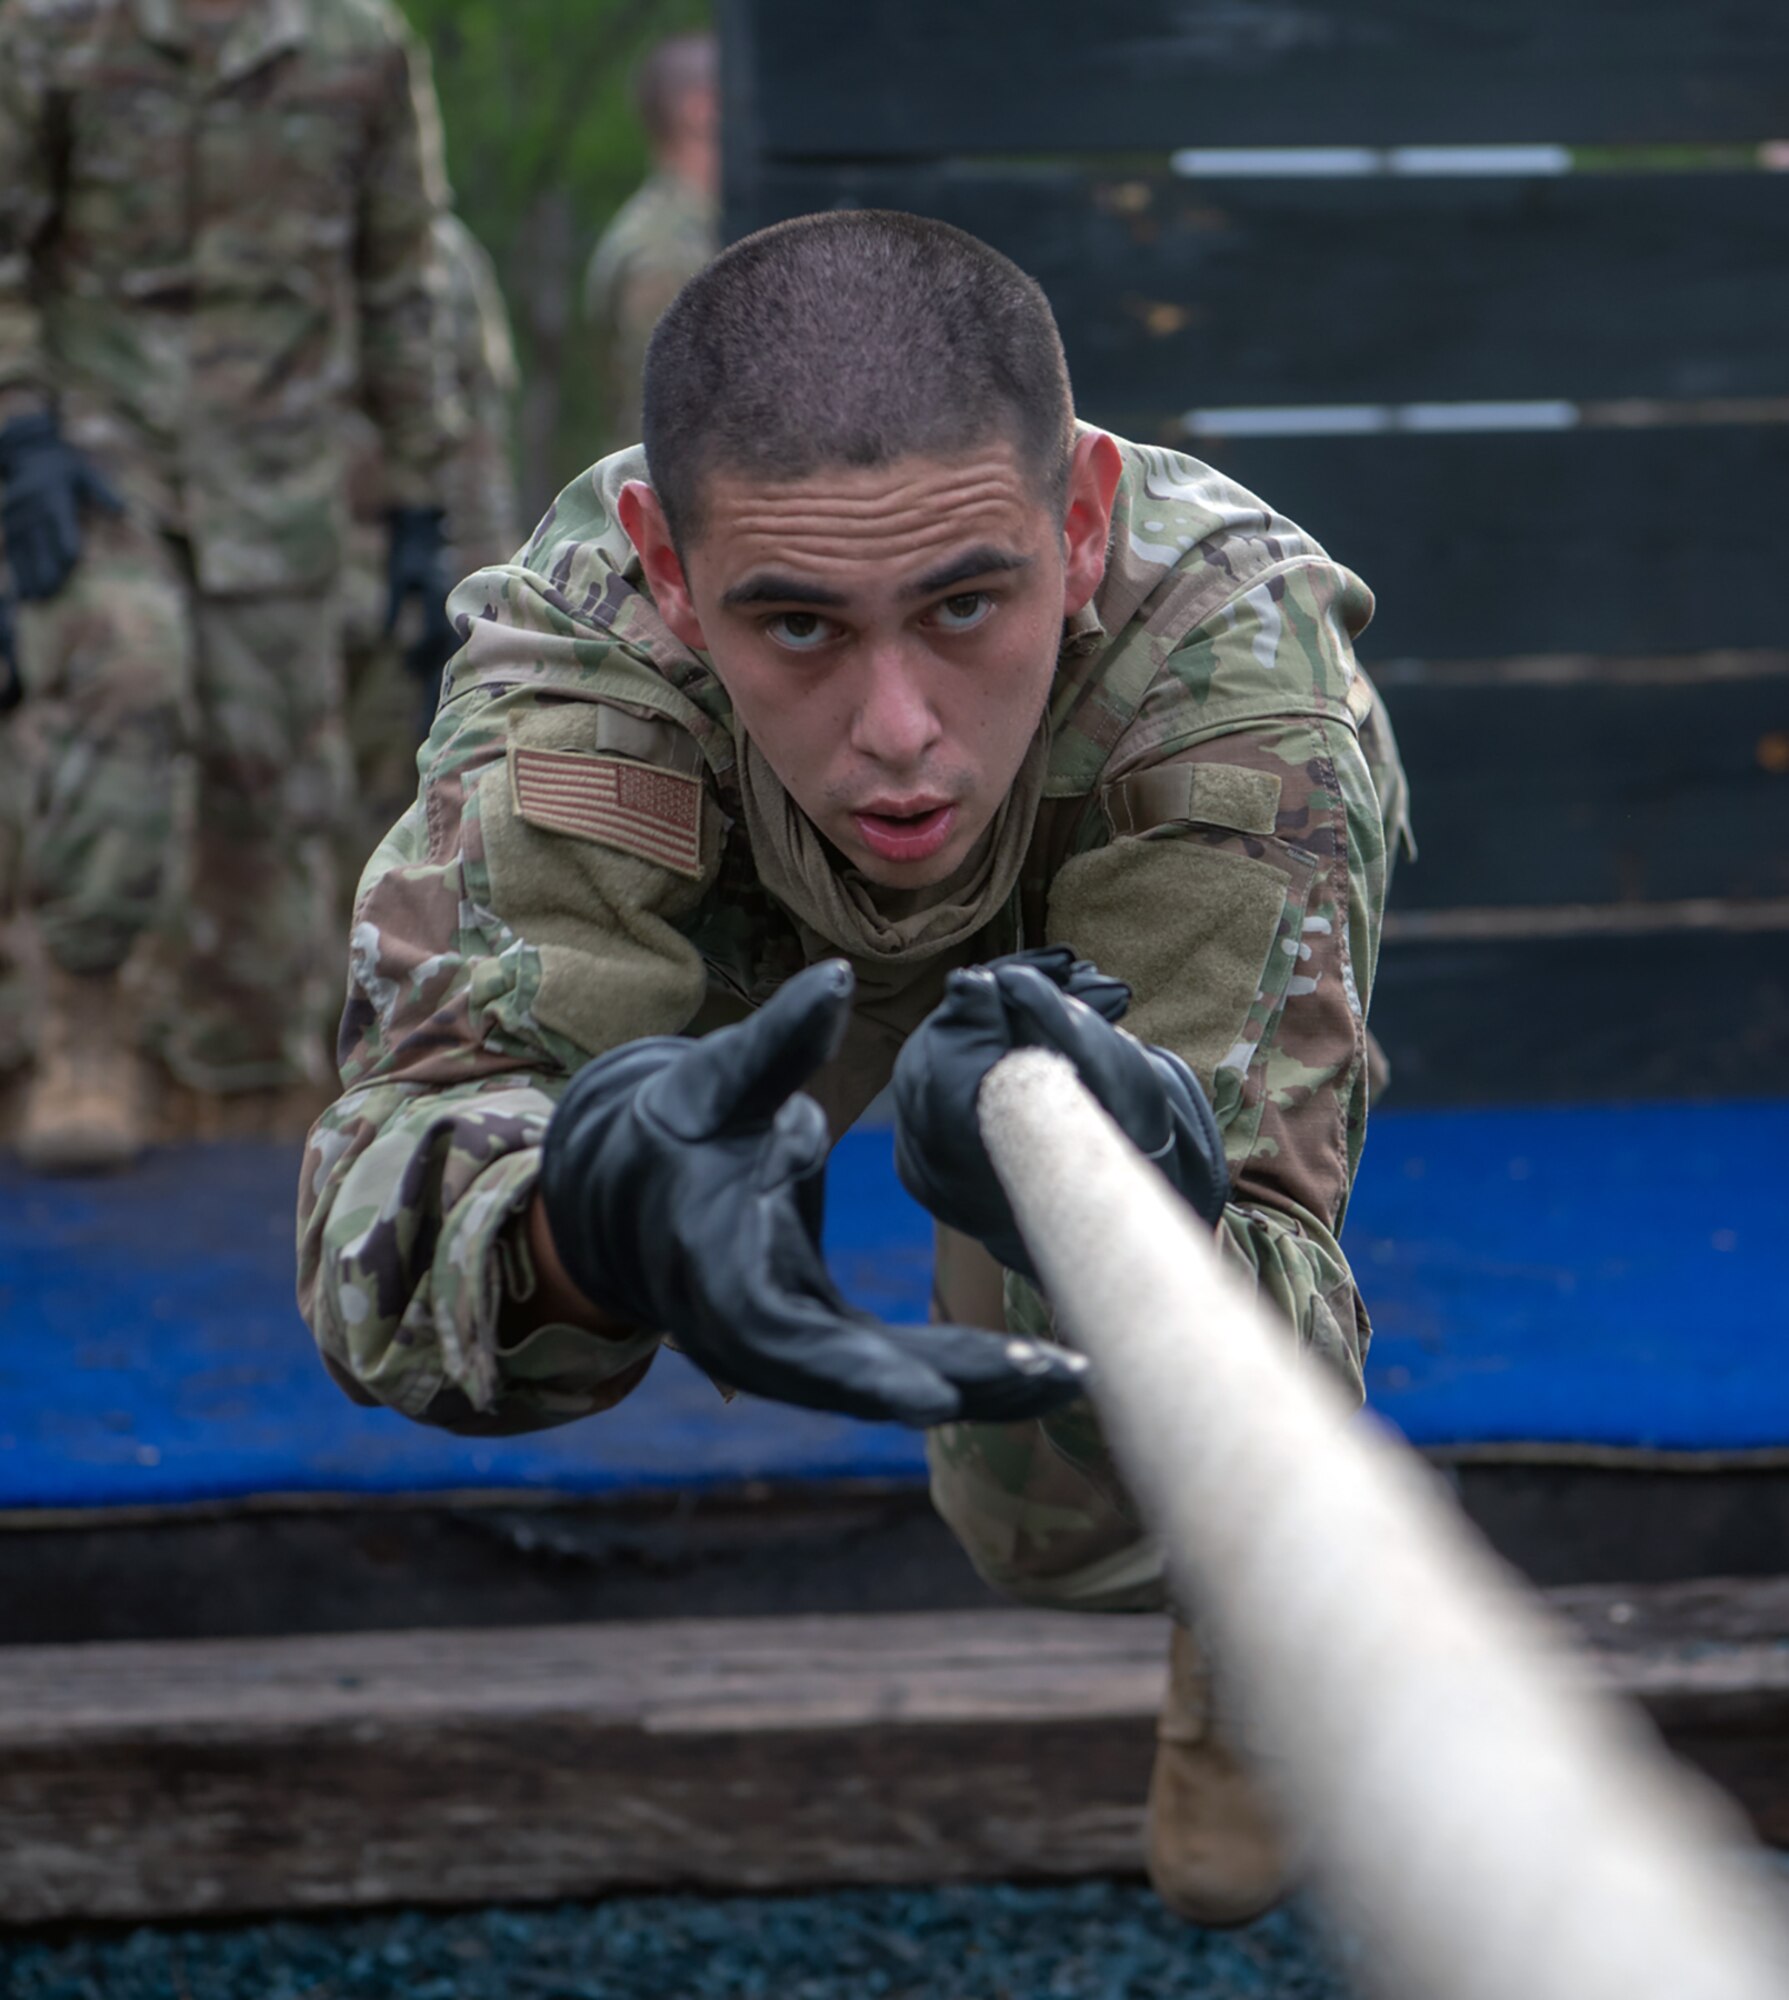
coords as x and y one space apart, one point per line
214 223
14 988
666 231
394 674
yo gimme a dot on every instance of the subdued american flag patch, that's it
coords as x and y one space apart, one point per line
641 809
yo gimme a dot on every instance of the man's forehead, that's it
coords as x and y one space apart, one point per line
767 584
904 524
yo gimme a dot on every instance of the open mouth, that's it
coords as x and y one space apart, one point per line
910 836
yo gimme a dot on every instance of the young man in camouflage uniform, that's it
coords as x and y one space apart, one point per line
214 223
666 230
836 748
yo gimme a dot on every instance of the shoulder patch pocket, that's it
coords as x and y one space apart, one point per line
639 809
1194 930
1226 795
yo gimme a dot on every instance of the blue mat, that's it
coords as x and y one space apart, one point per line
1600 1277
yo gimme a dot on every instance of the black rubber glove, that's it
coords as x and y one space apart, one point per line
417 567
12 689
682 1182
1049 1000
44 484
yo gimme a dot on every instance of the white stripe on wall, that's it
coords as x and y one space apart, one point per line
1345 162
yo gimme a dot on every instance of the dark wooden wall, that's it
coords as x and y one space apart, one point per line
1584 616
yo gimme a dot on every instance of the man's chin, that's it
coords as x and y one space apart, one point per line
906 875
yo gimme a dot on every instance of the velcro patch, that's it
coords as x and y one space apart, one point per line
641 809
1226 795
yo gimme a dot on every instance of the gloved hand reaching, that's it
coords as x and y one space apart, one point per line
417 567
44 484
682 1184
1045 999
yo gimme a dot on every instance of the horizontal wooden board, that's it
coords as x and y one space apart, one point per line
1604 541
1596 789
210 1777
1596 1017
910 77
1173 294
1571 1514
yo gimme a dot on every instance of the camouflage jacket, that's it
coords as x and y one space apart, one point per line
1214 830
661 236
207 244
477 478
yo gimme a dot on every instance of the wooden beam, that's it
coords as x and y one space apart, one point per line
1513 1011
1174 292
215 1777
1547 541
1022 76
1604 787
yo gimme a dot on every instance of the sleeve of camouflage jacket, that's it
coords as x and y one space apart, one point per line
1240 894
488 960
28 201
406 356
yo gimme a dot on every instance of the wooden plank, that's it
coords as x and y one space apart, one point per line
1597 786
1561 1514
1172 292
1660 540
205 1778
1609 1014
1709 1662
914 77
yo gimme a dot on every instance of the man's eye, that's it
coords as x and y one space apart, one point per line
800 631
964 613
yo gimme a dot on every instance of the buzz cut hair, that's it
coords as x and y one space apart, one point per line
853 338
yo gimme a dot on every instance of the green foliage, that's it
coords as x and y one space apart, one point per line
542 148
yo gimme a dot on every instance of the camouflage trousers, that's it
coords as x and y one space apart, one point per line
183 773
15 980
383 718
1037 1507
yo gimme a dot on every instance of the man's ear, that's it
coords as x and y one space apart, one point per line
644 521
1087 528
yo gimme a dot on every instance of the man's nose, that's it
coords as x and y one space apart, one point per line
895 721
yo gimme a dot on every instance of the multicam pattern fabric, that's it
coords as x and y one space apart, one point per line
477 483
212 239
215 230
104 795
491 959
1261 778
661 236
16 1028
256 966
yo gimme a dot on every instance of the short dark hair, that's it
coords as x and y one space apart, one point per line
668 73
852 338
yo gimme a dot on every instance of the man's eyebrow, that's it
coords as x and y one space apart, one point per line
983 561
769 588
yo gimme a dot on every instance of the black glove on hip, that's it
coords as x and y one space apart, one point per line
682 1181
417 567
44 484
12 689
1049 1000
